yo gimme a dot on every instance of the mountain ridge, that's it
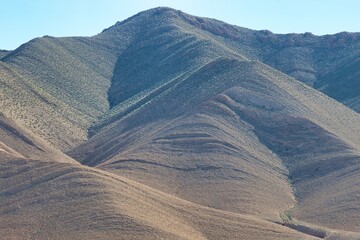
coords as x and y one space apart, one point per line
216 130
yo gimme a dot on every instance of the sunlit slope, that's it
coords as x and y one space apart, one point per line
86 82
309 58
24 100
17 142
69 78
210 167
78 77
318 143
163 52
217 138
187 131
156 54
64 201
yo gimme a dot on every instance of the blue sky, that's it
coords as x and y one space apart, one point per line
22 20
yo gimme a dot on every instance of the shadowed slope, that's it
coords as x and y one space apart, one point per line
306 57
167 51
343 84
313 145
187 41
63 201
184 105
201 146
3 53
320 165
214 170
81 78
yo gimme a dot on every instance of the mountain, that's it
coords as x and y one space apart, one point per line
214 147
47 67
3 53
18 142
343 84
172 126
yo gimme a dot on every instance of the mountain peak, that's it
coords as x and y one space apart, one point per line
148 15
161 16
208 115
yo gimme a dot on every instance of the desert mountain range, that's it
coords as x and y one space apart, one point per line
171 126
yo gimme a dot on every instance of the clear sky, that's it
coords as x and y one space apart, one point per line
22 20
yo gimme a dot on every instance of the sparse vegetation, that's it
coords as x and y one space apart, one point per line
286 217
182 128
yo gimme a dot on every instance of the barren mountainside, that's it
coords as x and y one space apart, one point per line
172 126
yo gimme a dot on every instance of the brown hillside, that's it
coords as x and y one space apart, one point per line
172 126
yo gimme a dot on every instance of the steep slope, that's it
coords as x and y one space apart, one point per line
306 57
17 142
343 84
186 106
81 78
211 139
19 96
183 171
323 62
158 133
69 76
309 58
3 53
64 201
319 145
166 50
